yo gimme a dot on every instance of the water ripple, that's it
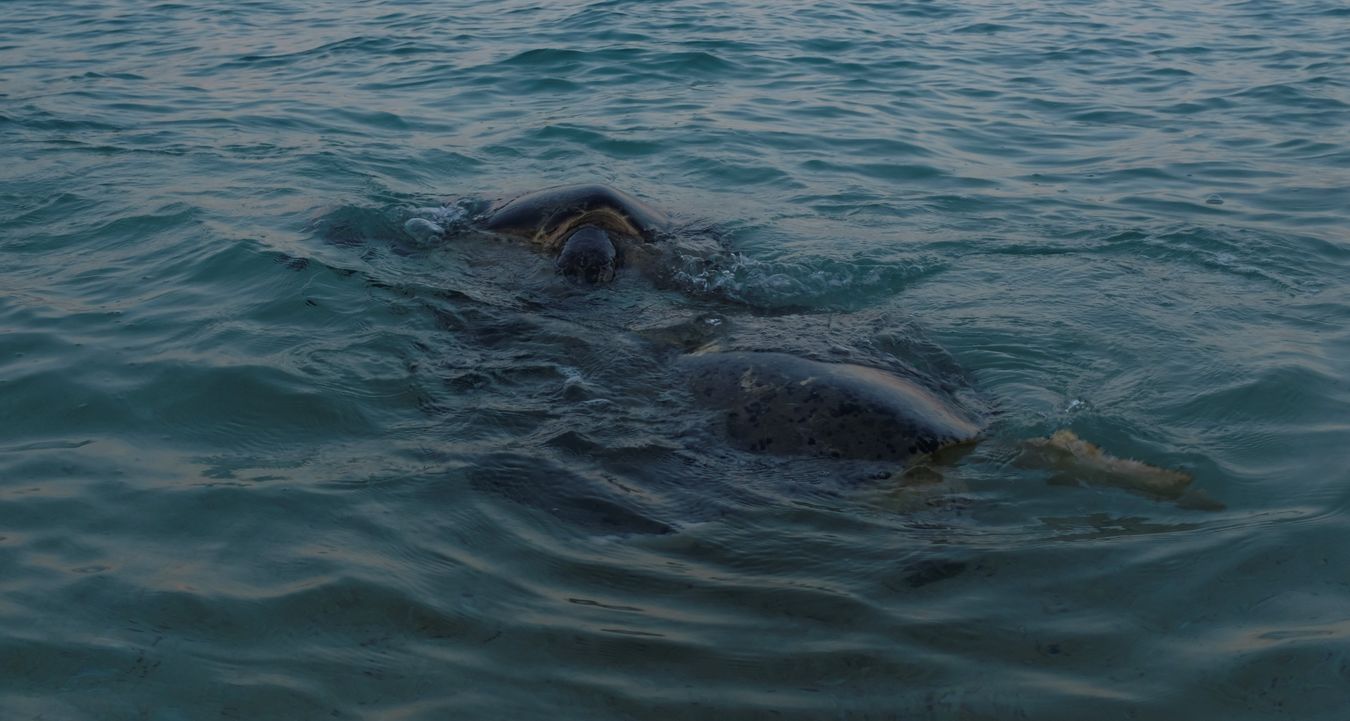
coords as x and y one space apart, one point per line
274 449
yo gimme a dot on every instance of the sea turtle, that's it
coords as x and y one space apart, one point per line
781 403
593 229
784 404
787 404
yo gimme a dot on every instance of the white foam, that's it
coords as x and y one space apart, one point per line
423 231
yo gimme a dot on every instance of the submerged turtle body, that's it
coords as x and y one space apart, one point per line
783 404
592 228
779 403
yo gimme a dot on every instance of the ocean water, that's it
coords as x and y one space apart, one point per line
269 452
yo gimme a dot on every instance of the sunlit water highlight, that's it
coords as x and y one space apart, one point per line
266 453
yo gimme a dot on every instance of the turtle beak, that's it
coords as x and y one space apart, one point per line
588 254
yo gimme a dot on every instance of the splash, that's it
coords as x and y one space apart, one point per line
812 282
428 226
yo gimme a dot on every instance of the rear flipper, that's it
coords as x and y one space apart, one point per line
1072 460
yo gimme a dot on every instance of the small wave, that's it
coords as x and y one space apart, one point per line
780 284
1257 255
359 45
984 28
589 138
37 119
560 58
357 226
1290 95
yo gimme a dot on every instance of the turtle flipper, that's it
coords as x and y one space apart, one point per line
1072 460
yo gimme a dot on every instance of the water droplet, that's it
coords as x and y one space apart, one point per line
1214 199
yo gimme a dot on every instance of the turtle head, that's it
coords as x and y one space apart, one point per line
589 254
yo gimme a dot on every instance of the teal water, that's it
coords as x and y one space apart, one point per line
265 454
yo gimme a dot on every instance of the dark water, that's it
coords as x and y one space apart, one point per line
264 454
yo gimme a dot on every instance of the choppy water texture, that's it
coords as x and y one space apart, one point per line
266 455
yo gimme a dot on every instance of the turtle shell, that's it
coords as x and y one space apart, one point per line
547 217
779 403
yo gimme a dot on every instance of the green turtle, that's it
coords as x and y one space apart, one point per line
593 229
784 404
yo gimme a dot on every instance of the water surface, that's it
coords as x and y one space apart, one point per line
264 454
